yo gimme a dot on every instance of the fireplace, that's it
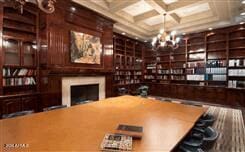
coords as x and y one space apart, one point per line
79 83
83 93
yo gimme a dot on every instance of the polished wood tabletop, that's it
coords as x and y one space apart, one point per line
82 127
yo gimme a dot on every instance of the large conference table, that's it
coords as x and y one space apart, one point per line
82 127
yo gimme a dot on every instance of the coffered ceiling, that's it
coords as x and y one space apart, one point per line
143 19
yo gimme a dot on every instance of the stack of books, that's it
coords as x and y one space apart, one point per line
122 139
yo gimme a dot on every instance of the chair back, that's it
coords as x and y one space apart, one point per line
210 136
208 119
54 107
122 91
143 90
16 114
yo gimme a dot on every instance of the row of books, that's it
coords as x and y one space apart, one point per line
162 77
195 71
216 70
237 62
7 72
171 71
149 77
197 56
177 77
216 63
151 66
163 71
236 84
195 64
213 77
137 73
196 77
19 81
236 72
177 71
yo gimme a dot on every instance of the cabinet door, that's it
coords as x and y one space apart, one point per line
11 52
29 103
11 105
28 54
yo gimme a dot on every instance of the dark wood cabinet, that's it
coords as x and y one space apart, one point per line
19 103
30 103
11 105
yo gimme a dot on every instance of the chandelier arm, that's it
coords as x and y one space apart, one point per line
50 6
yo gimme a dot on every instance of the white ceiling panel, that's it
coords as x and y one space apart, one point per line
138 8
156 20
169 1
193 10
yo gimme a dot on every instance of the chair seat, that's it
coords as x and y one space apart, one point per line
16 114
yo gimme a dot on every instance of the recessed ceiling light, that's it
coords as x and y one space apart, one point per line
243 2
242 22
73 9
243 13
123 33
210 28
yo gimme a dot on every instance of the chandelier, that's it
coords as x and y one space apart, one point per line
46 6
165 39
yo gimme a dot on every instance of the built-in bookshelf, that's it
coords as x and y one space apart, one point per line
195 68
212 58
19 51
178 61
236 63
127 63
216 58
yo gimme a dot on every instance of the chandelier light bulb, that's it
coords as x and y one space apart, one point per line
168 38
154 39
159 36
162 43
161 31
177 39
173 33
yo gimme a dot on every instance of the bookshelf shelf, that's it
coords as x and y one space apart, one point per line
238 38
215 41
195 60
195 52
237 48
196 44
18 18
217 50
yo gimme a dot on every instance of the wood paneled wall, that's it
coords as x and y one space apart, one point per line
55 48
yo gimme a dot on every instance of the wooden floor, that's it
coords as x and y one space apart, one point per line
82 127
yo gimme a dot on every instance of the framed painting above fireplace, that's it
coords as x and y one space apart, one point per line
85 48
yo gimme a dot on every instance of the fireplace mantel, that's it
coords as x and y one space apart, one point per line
67 82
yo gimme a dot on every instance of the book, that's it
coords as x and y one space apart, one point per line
129 130
114 142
